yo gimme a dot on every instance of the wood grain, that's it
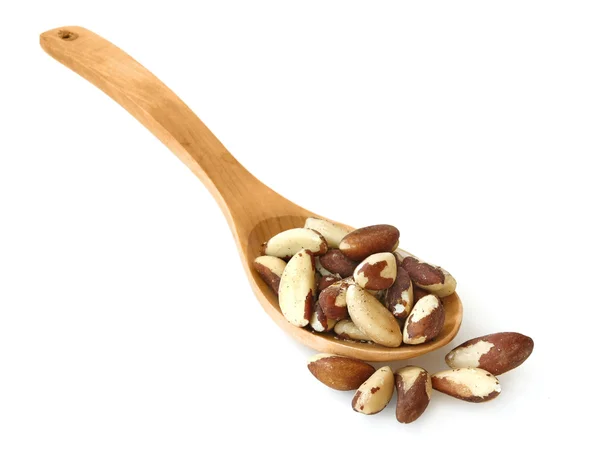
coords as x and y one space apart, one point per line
253 211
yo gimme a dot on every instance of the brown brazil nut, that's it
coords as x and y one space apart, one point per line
399 298
325 281
332 233
333 299
373 395
270 270
361 243
339 372
425 321
287 243
346 329
371 317
429 277
322 270
376 272
336 262
467 383
413 386
297 288
496 353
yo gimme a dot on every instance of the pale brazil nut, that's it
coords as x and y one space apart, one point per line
270 270
425 321
378 271
468 383
361 243
333 233
375 393
496 353
287 243
346 329
297 288
339 372
371 317
413 386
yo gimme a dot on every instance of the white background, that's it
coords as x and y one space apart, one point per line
127 327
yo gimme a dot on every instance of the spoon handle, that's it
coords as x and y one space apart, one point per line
160 110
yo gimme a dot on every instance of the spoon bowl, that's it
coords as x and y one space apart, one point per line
328 342
253 211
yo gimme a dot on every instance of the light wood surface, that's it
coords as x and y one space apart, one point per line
253 211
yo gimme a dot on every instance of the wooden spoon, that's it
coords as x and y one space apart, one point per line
253 211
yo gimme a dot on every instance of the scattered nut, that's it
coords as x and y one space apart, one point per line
371 317
378 271
375 393
297 288
270 270
431 278
496 353
319 322
399 297
332 233
339 372
413 385
361 243
425 321
346 329
467 383
336 262
289 242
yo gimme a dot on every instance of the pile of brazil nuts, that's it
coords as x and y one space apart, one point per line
472 377
358 284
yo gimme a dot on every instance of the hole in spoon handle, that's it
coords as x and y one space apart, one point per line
66 35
